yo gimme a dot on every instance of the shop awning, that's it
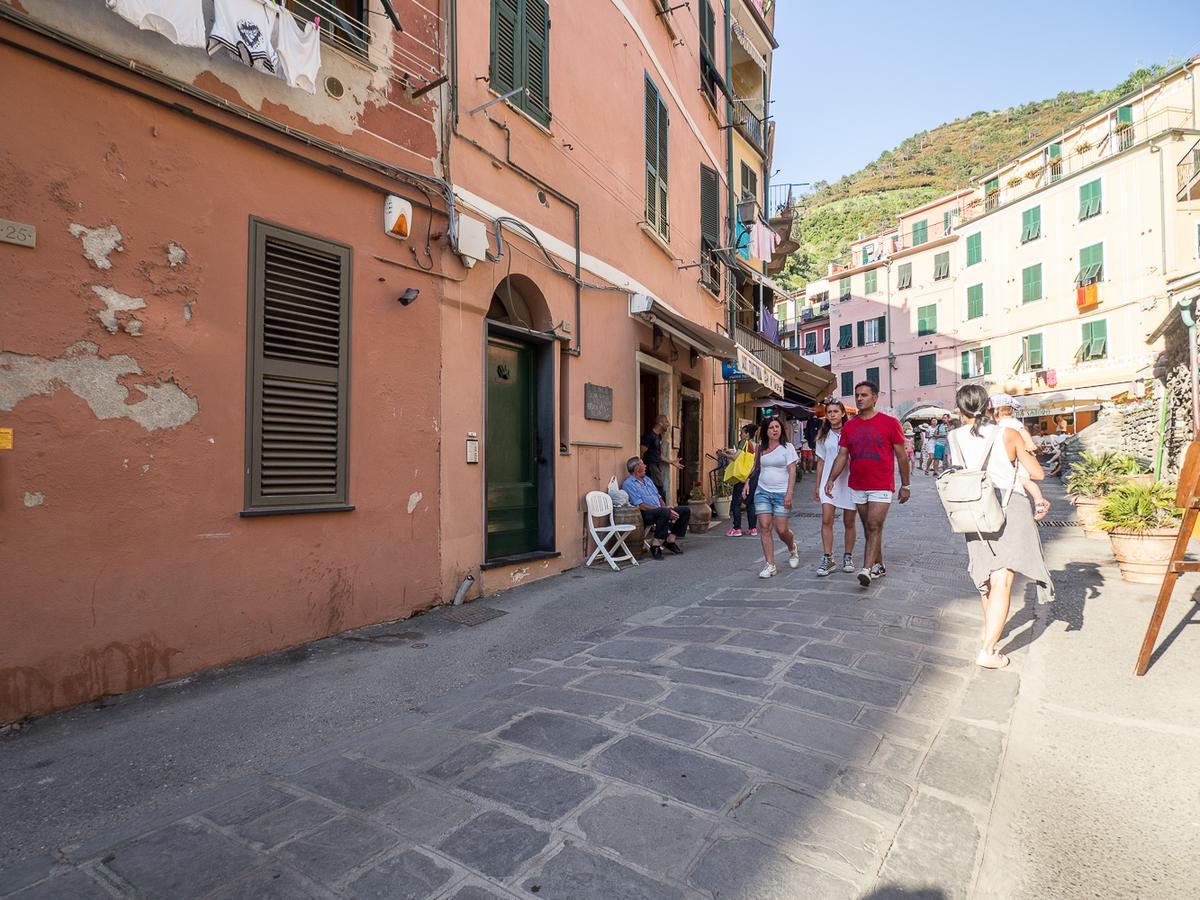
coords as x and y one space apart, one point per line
807 379
653 311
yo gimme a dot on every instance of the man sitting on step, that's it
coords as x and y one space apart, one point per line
669 523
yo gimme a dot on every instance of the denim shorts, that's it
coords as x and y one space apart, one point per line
769 503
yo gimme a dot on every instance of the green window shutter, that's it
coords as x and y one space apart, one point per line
927 319
1031 283
845 336
847 384
844 289
974 248
873 375
1033 352
975 301
1089 199
941 266
866 256
881 329
710 206
987 360
1055 151
862 333
992 186
946 221
656 162
537 60
1031 224
1095 339
966 364
707 27
871 281
506 35
1124 115
927 369
1091 264
920 232
904 278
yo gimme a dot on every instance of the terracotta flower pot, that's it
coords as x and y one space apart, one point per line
1088 510
701 516
1143 556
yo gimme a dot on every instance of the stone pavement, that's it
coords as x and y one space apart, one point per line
788 738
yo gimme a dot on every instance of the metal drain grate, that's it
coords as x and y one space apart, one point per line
472 614
1057 523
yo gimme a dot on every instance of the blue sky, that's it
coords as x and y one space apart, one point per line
850 80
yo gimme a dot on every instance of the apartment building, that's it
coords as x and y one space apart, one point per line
1046 278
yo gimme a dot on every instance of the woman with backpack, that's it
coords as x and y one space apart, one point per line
995 557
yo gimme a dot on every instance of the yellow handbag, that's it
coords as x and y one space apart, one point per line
741 467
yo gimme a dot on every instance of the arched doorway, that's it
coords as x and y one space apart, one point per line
519 445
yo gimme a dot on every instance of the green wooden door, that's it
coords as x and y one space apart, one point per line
511 450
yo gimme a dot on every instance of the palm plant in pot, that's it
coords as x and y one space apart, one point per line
1142 522
1092 478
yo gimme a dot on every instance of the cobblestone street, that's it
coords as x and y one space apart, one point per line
735 738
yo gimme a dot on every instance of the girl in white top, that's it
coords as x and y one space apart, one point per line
994 559
775 463
827 451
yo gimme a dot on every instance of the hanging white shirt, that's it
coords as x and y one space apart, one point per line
244 28
179 21
299 51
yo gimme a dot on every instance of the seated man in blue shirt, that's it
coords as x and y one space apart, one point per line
668 523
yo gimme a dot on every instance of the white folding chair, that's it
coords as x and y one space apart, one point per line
600 506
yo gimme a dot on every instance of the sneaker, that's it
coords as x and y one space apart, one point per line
768 572
734 532
864 577
848 563
878 571
794 558
826 566
753 532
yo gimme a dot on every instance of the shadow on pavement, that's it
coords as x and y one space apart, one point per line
1164 643
891 892
1074 585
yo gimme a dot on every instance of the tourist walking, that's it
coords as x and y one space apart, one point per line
940 433
776 465
744 445
994 559
872 446
839 498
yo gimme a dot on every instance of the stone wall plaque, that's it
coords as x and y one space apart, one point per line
597 402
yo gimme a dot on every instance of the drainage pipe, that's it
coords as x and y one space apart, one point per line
462 590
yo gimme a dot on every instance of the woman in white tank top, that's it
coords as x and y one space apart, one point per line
994 559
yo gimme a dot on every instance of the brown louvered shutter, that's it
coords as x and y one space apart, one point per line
298 383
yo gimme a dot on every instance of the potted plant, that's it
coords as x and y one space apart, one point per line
1033 174
701 511
723 499
1083 147
1014 181
1090 481
1142 522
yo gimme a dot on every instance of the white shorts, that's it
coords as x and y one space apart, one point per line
862 497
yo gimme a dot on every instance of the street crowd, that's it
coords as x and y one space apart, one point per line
985 464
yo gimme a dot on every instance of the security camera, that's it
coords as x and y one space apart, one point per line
408 296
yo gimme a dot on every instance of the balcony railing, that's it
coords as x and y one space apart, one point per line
783 198
760 347
749 124
1187 172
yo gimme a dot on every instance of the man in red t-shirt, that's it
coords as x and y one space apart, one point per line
869 442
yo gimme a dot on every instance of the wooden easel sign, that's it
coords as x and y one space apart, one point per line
1187 497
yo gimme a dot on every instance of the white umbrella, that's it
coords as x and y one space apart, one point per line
927 412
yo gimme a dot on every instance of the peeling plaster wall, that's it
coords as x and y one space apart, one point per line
125 559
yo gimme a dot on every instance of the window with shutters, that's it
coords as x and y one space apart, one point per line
870 281
845 337
749 183
1031 225
927 319
710 227
521 55
844 289
1031 352
710 77
941 266
977 362
1095 341
1122 125
1052 160
975 301
1089 200
920 232
657 210
872 331
1091 265
297 386
904 277
825 340
927 369
873 375
810 343
974 248
847 384
1031 283
991 194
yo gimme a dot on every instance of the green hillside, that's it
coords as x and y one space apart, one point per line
928 165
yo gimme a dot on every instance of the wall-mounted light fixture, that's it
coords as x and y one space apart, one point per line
408 296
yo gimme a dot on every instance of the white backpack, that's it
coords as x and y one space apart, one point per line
969 496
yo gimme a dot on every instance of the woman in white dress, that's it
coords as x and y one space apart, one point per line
994 559
827 450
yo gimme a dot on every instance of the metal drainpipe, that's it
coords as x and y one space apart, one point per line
1162 203
732 213
1187 313
888 313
